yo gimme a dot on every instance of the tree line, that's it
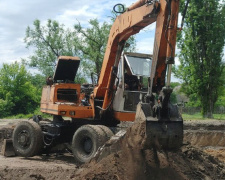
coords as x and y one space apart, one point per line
201 45
201 68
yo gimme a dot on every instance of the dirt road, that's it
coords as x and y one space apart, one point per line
37 167
202 157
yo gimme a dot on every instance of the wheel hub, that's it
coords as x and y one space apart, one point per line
88 145
23 138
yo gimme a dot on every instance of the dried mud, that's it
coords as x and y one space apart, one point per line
201 157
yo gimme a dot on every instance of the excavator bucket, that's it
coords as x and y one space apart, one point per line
164 134
7 148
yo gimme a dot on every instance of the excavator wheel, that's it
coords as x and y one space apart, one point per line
86 141
107 131
27 139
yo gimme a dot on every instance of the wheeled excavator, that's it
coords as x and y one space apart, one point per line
86 116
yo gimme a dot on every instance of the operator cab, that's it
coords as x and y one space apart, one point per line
133 73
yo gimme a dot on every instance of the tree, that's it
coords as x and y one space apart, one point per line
92 43
53 40
221 99
38 81
201 47
17 94
50 42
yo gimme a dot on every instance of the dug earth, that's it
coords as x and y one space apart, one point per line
201 157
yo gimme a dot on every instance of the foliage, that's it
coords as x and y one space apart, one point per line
198 116
30 115
201 47
50 42
17 94
92 43
174 84
221 99
37 80
173 97
6 105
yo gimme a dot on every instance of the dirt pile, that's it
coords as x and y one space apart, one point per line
218 153
127 160
132 162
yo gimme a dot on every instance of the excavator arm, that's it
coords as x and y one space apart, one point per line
137 17
125 25
163 122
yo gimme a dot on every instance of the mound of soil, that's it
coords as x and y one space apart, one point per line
218 153
128 159
133 162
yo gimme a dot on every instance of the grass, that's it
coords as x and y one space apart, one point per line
198 116
27 116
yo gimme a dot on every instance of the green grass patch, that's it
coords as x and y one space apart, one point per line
27 116
198 116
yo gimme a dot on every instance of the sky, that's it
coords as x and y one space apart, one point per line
16 15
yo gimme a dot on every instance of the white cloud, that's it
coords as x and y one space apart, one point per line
177 61
70 17
145 45
16 15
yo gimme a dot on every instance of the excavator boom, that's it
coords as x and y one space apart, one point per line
125 25
163 122
138 16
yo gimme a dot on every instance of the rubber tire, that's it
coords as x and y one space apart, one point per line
108 132
35 135
93 133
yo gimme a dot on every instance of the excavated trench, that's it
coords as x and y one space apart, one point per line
208 135
203 134
201 157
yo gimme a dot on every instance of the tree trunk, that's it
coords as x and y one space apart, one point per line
210 109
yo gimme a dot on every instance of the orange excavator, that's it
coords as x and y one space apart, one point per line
86 116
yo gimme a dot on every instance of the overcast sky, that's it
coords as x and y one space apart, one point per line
16 15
